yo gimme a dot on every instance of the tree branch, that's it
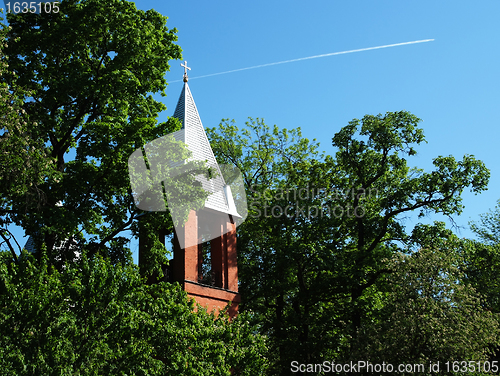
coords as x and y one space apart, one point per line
7 241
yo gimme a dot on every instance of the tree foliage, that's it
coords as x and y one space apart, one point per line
488 227
23 162
482 261
90 71
313 273
99 318
428 311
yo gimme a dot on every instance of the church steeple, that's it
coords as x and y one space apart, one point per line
208 239
194 136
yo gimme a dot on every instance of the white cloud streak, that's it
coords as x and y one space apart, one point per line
311 57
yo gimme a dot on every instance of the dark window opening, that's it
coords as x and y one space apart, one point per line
167 239
206 275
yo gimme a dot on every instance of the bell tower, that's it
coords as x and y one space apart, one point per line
205 260
208 271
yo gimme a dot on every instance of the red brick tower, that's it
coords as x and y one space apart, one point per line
218 286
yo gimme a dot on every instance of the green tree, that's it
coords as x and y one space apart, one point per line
482 265
483 257
23 163
311 276
488 228
100 318
90 71
482 261
427 312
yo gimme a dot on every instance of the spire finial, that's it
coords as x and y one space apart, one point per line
186 68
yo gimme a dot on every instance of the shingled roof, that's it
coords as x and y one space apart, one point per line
194 136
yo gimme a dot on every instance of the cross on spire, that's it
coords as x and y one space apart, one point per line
186 68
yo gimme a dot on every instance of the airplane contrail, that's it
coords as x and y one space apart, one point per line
311 57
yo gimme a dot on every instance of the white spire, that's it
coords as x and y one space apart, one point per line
194 136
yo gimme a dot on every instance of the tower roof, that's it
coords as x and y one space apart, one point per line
194 136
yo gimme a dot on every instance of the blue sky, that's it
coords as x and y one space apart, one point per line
452 83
